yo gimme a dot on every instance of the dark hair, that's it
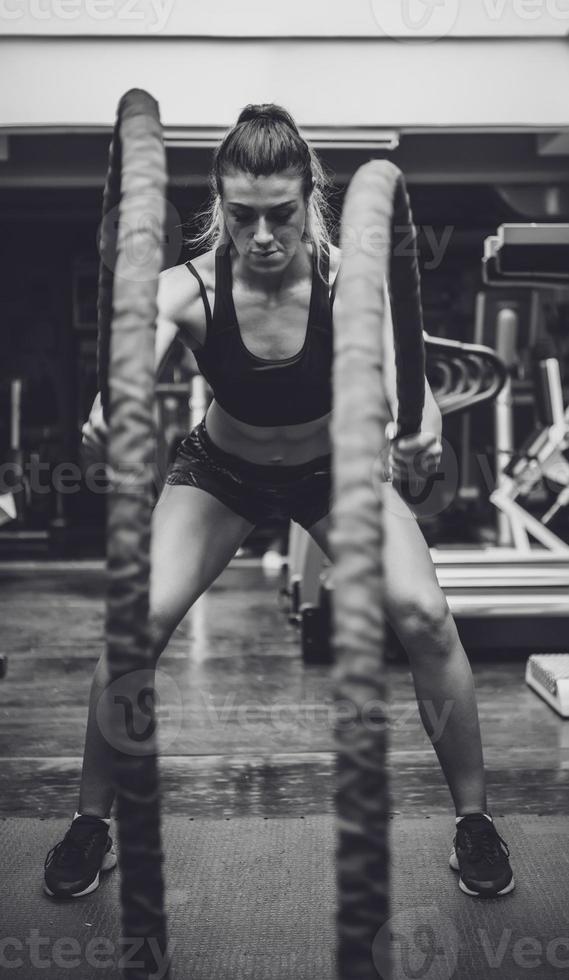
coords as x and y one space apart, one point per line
266 140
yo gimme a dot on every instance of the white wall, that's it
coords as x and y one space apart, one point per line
294 18
507 83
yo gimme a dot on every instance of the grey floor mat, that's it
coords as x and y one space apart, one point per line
253 899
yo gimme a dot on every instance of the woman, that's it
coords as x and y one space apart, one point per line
256 309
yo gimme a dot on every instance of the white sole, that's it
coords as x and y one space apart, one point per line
453 862
109 862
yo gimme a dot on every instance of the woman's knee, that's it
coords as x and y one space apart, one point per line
424 619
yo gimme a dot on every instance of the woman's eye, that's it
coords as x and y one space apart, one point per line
278 216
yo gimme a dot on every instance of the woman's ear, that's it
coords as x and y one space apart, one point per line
308 193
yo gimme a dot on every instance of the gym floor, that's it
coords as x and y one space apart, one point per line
245 726
247 782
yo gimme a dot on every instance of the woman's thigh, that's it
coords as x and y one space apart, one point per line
194 536
410 577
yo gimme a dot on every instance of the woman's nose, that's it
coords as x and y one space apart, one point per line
263 234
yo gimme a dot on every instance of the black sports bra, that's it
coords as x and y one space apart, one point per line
254 389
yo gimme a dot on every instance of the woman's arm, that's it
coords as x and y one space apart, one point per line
432 418
180 311
166 333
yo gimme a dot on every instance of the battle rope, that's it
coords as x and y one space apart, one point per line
376 207
131 259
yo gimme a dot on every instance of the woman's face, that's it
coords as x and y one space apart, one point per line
265 217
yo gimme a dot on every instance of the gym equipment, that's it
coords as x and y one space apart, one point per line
462 375
548 675
8 500
12 502
540 458
482 375
513 595
131 260
517 592
376 197
527 255
7 508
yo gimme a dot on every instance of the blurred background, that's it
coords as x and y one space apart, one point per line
478 122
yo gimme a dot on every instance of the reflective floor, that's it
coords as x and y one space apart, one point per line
245 727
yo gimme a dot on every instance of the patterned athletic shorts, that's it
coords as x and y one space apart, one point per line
256 492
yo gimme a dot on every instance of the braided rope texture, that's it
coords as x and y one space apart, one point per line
130 266
405 288
374 202
108 234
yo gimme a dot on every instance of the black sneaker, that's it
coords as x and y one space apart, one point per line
73 866
480 855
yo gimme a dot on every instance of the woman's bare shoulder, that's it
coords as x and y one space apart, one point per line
204 265
179 295
177 284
